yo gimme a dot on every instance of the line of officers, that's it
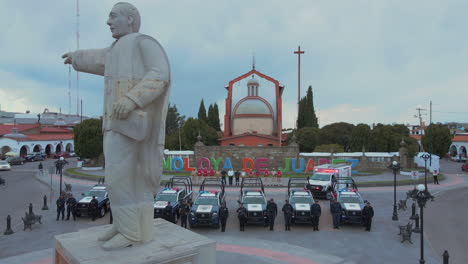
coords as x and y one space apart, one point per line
71 203
223 214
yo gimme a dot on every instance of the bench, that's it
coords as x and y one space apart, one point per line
405 232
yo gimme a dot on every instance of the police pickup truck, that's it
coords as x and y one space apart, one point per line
301 200
252 195
320 184
352 205
178 189
100 192
205 208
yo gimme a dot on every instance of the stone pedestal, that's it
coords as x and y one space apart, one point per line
172 244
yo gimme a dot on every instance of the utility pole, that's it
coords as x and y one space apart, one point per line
77 47
298 52
430 134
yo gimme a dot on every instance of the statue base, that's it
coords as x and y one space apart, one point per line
171 244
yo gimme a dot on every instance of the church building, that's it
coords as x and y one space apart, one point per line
253 111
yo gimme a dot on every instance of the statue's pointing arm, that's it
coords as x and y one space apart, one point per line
90 61
156 78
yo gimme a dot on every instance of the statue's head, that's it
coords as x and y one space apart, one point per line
124 19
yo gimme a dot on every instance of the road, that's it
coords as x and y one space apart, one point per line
348 245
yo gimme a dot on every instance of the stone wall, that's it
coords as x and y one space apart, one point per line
276 155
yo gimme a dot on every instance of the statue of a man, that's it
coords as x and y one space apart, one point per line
137 81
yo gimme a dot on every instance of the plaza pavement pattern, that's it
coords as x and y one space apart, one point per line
348 245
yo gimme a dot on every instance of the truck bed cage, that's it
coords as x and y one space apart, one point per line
297 182
252 182
185 181
212 181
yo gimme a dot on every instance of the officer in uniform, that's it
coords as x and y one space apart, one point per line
287 211
242 215
60 207
223 176
272 211
316 211
184 211
223 216
336 213
93 207
236 176
168 213
71 207
367 214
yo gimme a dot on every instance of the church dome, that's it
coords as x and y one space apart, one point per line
252 81
253 107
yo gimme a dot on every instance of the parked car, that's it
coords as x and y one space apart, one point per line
33 157
72 154
61 154
15 160
464 167
4 165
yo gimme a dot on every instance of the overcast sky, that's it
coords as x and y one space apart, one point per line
368 61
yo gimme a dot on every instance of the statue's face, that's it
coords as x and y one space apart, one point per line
120 25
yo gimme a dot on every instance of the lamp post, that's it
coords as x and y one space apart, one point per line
395 166
425 157
422 196
60 163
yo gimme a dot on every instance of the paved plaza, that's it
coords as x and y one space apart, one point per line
350 244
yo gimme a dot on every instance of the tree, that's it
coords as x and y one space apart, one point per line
210 116
202 112
306 116
441 139
174 120
307 138
335 148
88 138
216 117
190 132
412 146
360 137
384 139
336 133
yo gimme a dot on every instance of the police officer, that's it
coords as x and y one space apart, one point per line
223 176
316 211
242 215
287 211
237 176
93 207
71 207
60 207
184 211
223 216
367 214
272 211
336 213
168 212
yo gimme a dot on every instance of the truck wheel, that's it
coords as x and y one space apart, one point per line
102 212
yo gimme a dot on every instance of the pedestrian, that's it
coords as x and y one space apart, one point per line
336 213
316 211
71 207
272 211
223 216
273 176
251 174
93 207
288 212
60 207
435 174
41 167
279 175
223 176
367 214
236 176
184 211
242 215
168 212
231 176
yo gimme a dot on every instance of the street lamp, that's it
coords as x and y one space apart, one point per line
59 164
422 195
425 157
395 166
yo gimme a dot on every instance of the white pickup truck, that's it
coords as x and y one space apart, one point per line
320 183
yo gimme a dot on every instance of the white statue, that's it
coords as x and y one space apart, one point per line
137 81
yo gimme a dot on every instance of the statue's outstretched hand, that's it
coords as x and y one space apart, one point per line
68 57
123 107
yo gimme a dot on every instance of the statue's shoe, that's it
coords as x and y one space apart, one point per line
108 234
117 242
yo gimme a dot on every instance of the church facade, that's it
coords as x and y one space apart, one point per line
253 111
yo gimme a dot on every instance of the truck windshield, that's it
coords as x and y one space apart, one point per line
166 198
206 201
321 177
253 200
349 199
301 199
96 193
